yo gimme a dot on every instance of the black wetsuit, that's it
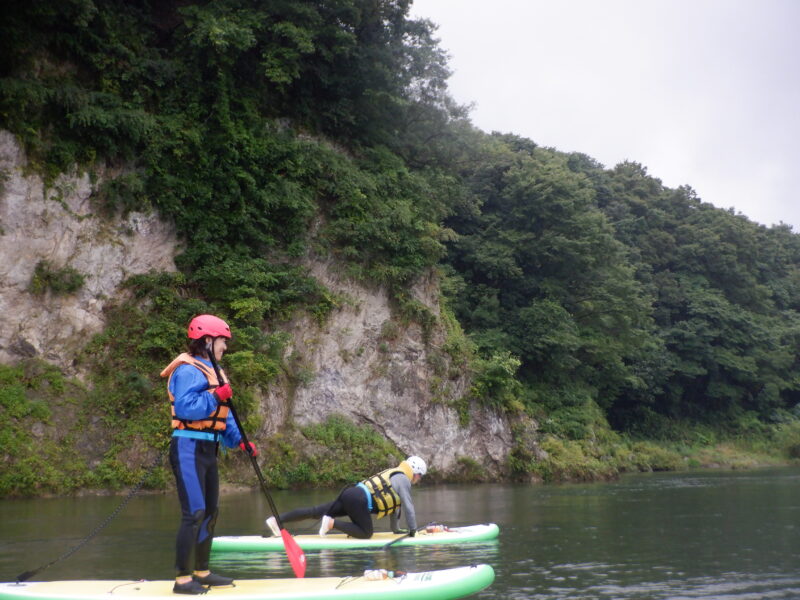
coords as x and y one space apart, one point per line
352 502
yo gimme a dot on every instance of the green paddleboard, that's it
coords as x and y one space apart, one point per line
446 584
452 535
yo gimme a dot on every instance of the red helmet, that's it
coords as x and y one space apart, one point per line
208 325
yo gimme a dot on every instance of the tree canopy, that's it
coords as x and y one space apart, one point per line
269 130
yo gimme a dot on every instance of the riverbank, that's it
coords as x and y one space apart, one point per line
48 454
571 463
607 454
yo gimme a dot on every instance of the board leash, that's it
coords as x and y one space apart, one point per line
28 574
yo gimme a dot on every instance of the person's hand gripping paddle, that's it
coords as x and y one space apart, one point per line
297 557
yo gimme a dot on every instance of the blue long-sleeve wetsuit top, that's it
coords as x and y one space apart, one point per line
194 402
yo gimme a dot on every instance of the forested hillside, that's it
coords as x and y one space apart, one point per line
610 288
270 130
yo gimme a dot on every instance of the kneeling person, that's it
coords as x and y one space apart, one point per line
382 494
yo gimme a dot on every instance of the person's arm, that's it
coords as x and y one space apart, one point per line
402 485
193 401
393 523
231 437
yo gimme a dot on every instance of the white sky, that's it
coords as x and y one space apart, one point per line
701 92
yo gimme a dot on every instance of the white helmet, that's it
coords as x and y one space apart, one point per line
418 466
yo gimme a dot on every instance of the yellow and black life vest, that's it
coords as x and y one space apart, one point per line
384 497
213 422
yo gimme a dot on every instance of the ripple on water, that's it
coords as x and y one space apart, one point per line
730 586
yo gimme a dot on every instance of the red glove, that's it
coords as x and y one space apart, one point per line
250 449
223 392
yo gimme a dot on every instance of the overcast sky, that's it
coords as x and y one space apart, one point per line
701 92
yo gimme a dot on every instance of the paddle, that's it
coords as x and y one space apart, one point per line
402 537
395 540
297 557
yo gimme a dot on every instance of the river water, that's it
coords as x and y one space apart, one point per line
732 535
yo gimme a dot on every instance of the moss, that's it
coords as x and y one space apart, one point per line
330 454
468 470
39 407
59 281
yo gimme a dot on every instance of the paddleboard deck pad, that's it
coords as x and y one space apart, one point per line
446 584
451 535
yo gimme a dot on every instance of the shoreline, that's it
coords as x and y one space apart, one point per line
228 488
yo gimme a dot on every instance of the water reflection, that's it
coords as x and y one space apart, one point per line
701 535
337 563
717 535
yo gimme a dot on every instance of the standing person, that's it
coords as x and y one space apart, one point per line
201 419
382 494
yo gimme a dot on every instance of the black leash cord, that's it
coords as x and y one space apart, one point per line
28 574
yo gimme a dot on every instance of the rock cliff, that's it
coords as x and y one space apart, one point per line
353 367
387 383
56 225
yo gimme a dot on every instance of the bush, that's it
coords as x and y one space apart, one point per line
349 452
65 280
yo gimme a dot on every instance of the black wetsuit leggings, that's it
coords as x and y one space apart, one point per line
194 463
352 502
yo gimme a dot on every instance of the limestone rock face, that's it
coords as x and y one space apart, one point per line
354 369
361 363
57 225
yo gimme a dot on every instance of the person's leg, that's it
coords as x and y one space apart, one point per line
353 503
192 499
207 459
308 512
189 483
207 467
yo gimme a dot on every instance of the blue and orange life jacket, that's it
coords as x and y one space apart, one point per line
216 420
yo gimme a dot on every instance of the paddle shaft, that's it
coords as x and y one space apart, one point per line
253 460
294 553
402 537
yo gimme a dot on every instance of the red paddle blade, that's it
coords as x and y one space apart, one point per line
297 557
